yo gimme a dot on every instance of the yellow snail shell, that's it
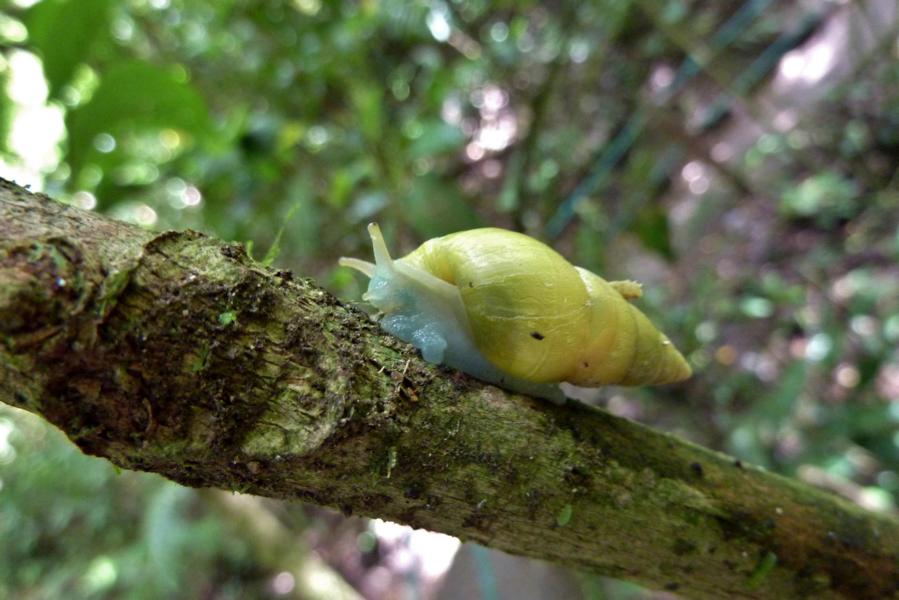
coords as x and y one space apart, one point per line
508 309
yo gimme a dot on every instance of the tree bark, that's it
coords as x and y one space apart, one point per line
178 354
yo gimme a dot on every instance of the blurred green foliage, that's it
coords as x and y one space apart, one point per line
764 224
74 527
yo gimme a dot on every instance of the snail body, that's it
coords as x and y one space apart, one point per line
508 309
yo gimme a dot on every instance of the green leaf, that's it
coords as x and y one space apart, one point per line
344 180
764 567
756 307
6 112
825 197
436 138
64 34
368 104
651 226
564 515
134 96
435 207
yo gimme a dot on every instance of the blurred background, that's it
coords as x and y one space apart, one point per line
739 158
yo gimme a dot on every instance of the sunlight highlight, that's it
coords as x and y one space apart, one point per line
808 65
36 128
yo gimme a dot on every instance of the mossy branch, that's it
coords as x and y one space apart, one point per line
178 354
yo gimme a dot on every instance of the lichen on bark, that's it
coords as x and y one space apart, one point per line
178 354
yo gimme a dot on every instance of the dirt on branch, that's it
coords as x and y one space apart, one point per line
177 353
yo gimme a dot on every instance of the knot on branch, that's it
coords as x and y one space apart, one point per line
42 288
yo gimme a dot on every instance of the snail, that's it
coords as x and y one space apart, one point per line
507 309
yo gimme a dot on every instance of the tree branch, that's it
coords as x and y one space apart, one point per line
178 354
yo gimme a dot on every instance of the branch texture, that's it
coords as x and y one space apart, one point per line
178 354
